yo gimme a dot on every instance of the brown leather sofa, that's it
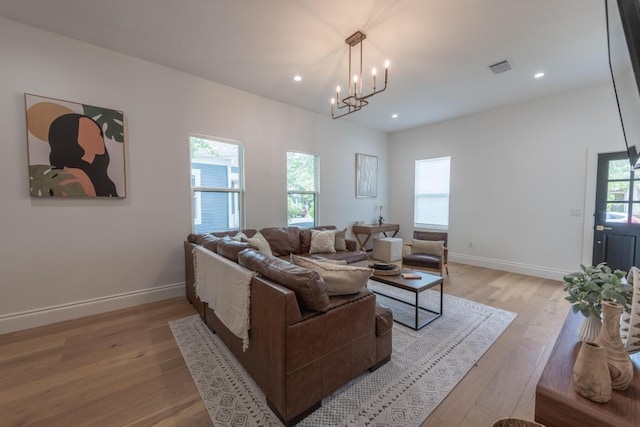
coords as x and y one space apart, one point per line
300 347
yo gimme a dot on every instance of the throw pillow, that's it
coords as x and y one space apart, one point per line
427 247
341 244
238 237
322 241
259 242
339 279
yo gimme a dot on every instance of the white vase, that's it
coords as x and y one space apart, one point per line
590 328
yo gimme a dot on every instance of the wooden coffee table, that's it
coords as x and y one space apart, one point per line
416 286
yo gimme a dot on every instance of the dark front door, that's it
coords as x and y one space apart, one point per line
616 238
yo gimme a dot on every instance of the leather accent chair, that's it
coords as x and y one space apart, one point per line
433 261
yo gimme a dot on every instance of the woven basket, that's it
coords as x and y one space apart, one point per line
393 272
515 422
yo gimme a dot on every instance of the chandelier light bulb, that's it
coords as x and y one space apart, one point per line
374 71
355 78
333 101
338 89
386 64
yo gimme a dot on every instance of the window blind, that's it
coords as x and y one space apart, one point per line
431 207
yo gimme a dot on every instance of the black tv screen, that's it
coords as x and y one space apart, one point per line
623 26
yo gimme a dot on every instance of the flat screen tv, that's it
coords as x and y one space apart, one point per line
623 35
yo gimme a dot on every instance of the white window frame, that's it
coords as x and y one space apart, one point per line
419 219
195 183
228 190
316 184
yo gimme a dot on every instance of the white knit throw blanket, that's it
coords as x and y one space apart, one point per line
630 322
225 286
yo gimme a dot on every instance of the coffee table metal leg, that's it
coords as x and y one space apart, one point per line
417 308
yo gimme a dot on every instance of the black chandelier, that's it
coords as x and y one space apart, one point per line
356 99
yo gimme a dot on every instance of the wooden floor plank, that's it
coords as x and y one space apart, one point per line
124 368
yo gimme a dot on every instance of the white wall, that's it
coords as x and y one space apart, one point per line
516 174
62 258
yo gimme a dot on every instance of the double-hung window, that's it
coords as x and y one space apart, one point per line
431 207
302 189
216 184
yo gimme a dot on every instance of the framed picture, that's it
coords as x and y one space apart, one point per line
75 150
366 175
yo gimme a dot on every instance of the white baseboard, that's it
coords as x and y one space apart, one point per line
43 316
513 267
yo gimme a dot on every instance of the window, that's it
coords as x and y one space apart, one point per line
216 184
623 193
302 189
432 193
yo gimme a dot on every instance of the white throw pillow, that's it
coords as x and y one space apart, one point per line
427 247
322 242
259 242
238 237
339 279
341 244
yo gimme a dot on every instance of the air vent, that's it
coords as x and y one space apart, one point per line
500 67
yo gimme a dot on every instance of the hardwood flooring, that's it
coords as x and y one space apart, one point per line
124 368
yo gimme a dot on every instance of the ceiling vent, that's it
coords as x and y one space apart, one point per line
500 67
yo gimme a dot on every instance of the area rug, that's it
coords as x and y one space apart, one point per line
425 366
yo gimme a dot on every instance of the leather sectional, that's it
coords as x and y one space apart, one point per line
303 344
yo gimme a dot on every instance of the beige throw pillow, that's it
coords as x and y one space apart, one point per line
322 241
238 237
427 247
339 279
259 242
341 244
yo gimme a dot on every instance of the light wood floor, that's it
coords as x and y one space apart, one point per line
124 368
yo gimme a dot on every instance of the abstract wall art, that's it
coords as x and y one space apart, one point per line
75 150
366 175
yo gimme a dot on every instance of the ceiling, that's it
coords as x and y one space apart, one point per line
439 50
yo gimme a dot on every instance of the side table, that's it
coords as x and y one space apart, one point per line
370 229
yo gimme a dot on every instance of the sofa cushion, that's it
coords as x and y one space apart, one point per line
229 248
322 241
310 290
282 240
208 241
427 247
258 242
339 279
384 320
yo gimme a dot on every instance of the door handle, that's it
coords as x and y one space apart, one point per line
602 228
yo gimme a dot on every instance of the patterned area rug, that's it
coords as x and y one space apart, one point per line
425 366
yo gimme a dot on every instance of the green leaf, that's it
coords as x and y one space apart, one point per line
112 119
45 180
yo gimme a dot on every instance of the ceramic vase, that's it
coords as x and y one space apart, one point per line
590 328
618 360
591 377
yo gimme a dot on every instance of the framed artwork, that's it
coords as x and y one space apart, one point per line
75 150
366 175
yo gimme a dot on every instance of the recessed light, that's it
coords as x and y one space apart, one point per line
538 75
394 116
297 78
